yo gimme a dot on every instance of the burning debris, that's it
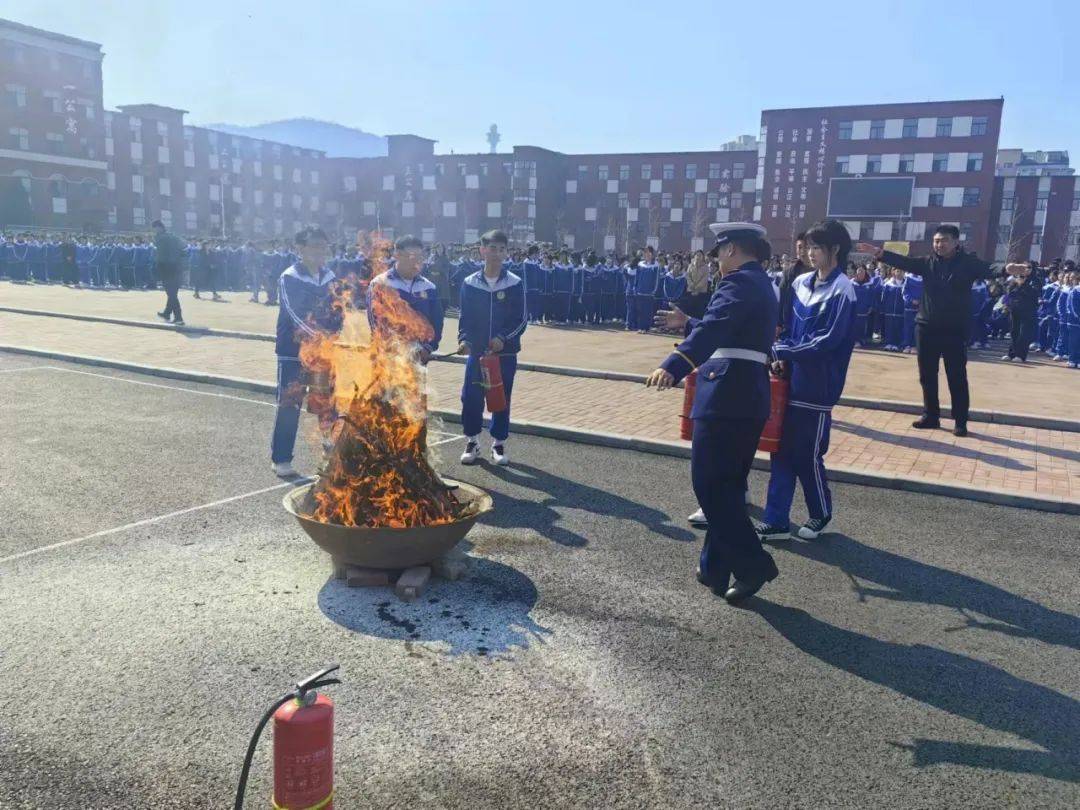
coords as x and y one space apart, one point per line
377 474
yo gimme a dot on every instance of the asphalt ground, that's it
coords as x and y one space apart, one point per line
155 598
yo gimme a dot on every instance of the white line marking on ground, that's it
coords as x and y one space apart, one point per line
160 385
147 521
25 368
445 441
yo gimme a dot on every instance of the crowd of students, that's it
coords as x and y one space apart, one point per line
1005 307
567 287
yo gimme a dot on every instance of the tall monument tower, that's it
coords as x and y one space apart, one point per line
493 138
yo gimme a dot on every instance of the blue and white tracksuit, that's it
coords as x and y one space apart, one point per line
980 310
305 310
420 293
1065 329
646 286
866 294
1047 316
821 337
892 312
490 309
1071 323
912 294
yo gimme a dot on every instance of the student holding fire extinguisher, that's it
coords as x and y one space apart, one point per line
729 349
816 350
493 316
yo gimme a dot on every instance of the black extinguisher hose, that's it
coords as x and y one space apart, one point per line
301 689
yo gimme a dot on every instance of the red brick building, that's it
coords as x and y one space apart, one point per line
600 202
1035 218
52 162
194 178
916 166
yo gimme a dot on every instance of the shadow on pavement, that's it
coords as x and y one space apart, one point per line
903 579
920 443
513 513
955 684
487 613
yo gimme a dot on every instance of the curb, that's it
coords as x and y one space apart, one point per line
210 331
893 405
846 475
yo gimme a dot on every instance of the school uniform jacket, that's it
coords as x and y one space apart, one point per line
304 308
419 293
492 310
820 340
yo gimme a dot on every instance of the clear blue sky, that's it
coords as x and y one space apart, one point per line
579 76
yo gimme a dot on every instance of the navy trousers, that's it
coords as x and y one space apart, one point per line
472 398
801 457
290 396
721 455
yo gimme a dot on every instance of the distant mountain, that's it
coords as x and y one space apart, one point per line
334 139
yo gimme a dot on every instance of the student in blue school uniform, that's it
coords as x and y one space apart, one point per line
673 286
892 311
865 294
406 280
1071 312
1065 328
629 282
534 284
980 311
35 260
817 352
1046 334
912 294
304 290
492 320
562 289
646 285
18 253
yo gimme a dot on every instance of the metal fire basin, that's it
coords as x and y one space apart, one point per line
389 548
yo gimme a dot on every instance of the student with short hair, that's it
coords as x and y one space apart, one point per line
817 349
304 292
493 317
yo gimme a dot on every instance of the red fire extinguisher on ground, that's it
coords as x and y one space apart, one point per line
686 424
303 747
492 381
774 427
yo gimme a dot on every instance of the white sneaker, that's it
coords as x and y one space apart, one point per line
1058 358
1006 358
500 455
283 469
472 452
698 518
1072 365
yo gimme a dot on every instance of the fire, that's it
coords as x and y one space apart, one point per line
378 474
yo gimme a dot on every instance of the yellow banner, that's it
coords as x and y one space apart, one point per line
903 248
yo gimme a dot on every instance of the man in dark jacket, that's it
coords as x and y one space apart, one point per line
943 320
170 252
787 280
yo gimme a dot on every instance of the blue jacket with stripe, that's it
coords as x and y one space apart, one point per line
420 293
490 310
304 308
820 340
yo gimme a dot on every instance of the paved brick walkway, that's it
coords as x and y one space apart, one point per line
1040 388
1019 460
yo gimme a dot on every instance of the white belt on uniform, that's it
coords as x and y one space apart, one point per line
740 354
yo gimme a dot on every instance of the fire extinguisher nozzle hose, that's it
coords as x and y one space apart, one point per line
303 688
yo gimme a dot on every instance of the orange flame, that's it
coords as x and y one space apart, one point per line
377 474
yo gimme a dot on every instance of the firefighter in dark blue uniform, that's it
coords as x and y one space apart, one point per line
729 348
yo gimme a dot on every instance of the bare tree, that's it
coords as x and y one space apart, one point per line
1015 237
700 219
